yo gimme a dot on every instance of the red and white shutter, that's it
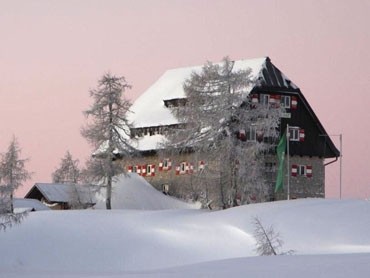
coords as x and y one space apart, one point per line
178 170
160 166
294 170
254 99
273 101
294 103
138 171
277 101
129 169
152 170
191 168
186 168
143 170
301 135
242 135
201 165
259 135
309 171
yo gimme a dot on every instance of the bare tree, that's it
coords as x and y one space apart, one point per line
109 129
216 120
68 170
268 241
12 176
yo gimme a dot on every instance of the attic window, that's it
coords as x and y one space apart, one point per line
176 102
264 99
293 133
296 134
285 101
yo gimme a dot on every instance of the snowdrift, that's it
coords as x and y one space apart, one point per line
134 192
328 236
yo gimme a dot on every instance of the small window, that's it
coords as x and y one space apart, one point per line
285 101
265 99
252 135
183 167
270 167
150 170
293 133
302 170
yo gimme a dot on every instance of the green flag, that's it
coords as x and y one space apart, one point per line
280 150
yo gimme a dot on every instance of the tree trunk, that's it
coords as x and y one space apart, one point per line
109 193
11 204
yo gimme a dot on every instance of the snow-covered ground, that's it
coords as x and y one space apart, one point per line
331 238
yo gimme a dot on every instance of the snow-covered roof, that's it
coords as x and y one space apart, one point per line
63 193
132 191
149 109
149 142
28 205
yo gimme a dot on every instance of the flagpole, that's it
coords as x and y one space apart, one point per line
288 168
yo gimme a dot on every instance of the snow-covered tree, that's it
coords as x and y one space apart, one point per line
12 175
217 117
109 129
268 241
68 170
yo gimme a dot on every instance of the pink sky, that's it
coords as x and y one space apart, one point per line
52 52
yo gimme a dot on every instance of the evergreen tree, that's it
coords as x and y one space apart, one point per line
109 129
68 170
12 175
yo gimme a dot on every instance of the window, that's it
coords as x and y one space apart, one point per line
183 167
252 135
293 133
150 170
265 99
270 167
285 101
296 134
301 170
270 171
165 165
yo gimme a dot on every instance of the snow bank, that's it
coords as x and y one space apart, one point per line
134 192
164 243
